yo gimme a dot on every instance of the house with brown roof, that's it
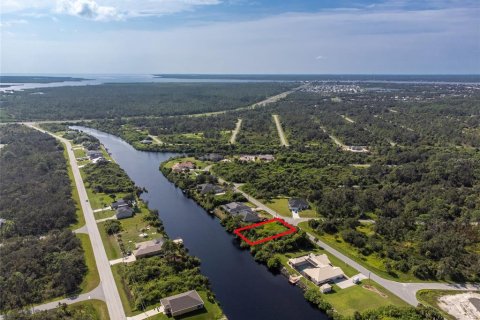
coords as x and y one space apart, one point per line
183 166
182 303
148 248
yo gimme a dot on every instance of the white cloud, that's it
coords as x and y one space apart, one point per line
11 23
102 9
88 9
320 57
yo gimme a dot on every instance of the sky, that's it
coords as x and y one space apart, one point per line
240 36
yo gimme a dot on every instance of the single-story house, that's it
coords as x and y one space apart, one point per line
326 288
146 141
210 188
183 166
182 303
297 204
215 157
316 268
99 160
2 221
266 157
241 210
148 248
124 212
119 203
93 154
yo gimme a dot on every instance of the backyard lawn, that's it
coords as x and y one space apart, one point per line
280 205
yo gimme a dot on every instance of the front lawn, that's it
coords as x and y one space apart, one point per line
280 206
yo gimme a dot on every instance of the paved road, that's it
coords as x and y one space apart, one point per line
236 131
281 134
112 297
96 294
405 291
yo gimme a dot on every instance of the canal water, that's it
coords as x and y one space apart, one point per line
246 290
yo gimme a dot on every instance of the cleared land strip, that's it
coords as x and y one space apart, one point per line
281 134
236 131
110 292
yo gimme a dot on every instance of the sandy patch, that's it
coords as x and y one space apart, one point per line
464 306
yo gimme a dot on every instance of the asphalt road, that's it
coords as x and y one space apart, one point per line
110 292
405 291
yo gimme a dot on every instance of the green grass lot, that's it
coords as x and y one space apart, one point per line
372 262
95 308
199 164
104 214
124 293
280 205
110 243
358 298
131 230
92 279
430 298
347 301
79 153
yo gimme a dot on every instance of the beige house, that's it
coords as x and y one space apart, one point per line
182 303
148 248
316 268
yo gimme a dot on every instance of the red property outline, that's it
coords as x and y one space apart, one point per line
291 229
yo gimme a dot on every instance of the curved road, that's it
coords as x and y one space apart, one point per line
107 282
405 291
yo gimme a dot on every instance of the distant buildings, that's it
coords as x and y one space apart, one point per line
260 157
183 166
182 303
148 248
316 268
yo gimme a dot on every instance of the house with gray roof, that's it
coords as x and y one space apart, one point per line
210 188
182 303
297 204
94 154
241 210
124 212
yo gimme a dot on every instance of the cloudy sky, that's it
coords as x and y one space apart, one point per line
240 36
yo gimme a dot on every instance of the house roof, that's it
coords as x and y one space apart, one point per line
234 207
248 215
318 261
124 211
182 301
297 202
323 274
149 247
208 187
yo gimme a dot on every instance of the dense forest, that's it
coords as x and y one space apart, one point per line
41 259
132 100
35 193
107 177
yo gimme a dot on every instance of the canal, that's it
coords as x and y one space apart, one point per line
246 290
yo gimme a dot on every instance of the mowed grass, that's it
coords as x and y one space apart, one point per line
95 308
92 279
372 262
79 153
358 298
104 214
280 206
123 292
109 243
76 199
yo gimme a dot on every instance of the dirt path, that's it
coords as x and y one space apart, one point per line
281 134
236 131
